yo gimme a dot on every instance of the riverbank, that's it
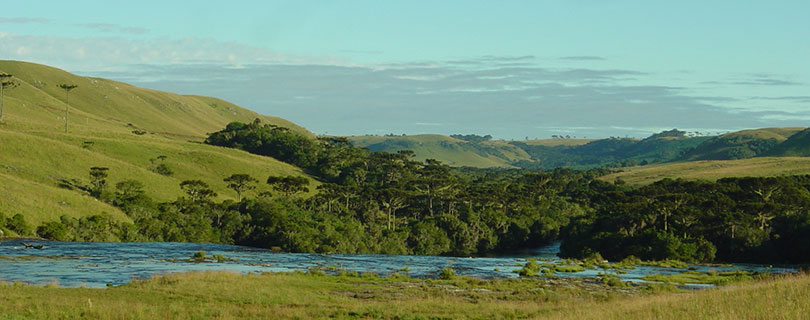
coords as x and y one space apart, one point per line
224 295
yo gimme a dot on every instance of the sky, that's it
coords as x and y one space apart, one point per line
511 69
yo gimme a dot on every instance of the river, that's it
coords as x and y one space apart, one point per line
98 264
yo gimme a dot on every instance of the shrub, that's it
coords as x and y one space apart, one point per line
531 269
163 169
221 258
17 224
53 230
198 256
447 274
612 280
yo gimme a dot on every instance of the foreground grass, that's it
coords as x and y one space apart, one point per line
227 296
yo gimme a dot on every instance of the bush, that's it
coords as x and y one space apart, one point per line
531 269
612 280
447 274
163 169
18 225
198 256
53 230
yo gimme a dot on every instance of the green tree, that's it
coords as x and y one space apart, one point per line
67 88
289 185
159 166
240 183
6 82
197 190
129 189
98 180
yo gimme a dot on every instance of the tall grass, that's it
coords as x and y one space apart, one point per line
219 295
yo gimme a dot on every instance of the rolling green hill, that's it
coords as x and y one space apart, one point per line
663 147
543 154
741 144
451 151
112 125
797 145
106 105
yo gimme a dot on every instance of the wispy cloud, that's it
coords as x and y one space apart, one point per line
767 82
113 28
801 99
499 95
449 98
104 53
24 20
757 79
583 58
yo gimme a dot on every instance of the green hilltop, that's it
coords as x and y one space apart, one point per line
668 154
114 125
449 150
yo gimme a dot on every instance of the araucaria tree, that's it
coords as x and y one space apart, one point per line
98 180
5 83
197 190
289 185
240 183
67 88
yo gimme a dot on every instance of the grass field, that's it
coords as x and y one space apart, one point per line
218 295
714 169
35 152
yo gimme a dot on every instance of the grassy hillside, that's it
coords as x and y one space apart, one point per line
714 169
611 151
740 145
302 296
36 153
543 154
106 105
449 150
797 145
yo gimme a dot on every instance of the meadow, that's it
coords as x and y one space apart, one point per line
712 170
221 295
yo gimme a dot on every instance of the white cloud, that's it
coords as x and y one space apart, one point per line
106 53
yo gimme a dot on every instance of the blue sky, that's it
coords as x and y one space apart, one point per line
508 68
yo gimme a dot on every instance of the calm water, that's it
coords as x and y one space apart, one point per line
94 264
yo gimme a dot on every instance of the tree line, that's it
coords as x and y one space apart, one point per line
378 202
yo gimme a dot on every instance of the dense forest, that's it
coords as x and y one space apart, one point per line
378 202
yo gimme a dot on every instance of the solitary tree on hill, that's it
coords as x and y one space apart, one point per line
197 190
241 183
98 180
67 88
6 82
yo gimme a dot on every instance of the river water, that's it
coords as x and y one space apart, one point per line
97 264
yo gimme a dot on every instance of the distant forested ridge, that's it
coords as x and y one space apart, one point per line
665 146
380 202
